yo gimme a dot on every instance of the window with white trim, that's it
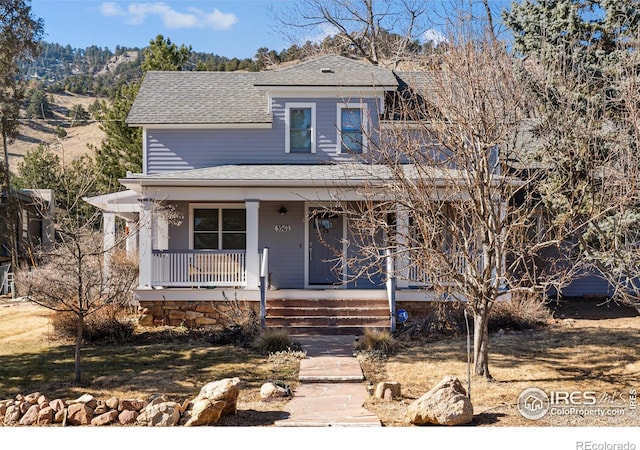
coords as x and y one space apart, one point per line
352 128
300 119
219 228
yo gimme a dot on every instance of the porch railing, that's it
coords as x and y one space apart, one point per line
420 278
199 268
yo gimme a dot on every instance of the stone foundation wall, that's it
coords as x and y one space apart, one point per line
195 314
416 309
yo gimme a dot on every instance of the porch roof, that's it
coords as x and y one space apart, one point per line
308 175
124 203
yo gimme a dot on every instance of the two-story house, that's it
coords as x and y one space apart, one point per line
249 161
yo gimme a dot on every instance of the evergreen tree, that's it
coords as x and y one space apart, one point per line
20 34
39 169
39 106
121 151
580 58
162 54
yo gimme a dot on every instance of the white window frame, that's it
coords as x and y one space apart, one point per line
219 207
287 120
364 115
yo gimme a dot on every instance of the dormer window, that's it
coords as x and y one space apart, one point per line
352 137
300 119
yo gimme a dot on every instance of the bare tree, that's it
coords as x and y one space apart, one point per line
70 276
443 200
374 29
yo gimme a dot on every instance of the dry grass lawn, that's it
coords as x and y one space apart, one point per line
585 348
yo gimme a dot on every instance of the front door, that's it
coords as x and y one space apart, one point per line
325 248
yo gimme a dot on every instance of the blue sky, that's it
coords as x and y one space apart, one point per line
224 27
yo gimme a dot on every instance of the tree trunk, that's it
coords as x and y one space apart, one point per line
481 342
78 377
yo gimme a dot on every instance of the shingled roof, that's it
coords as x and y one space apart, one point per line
329 70
204 98
199 98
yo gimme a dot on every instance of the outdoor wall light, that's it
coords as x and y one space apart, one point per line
282 210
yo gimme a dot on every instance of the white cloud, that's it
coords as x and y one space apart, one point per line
137 13
434 36
111 9
323 31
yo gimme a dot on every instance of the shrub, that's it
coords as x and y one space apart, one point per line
112 324
241 324
445 319
519 313
272 340
377 340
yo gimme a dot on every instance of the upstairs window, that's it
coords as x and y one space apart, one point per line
219 228
301 124
351 128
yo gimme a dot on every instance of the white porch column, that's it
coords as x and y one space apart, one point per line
402 260
162 231
109 241
145 234
252 257
131 241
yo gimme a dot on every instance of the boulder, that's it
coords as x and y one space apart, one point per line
131 405
105 419
272 390
57 405
225 390
32 398
24 406
166 414
60 416
31 416
102 408
45 416
204 412
79 414
127 417
43 401
86 399
113 402
392 390
446 403
12 415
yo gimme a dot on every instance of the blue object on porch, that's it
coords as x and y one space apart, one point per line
403 315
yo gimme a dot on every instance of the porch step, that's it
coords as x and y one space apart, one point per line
327 316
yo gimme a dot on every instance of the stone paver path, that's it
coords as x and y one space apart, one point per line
331 390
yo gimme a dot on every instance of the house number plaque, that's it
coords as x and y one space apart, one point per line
283 228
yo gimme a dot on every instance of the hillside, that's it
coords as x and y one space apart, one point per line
74 144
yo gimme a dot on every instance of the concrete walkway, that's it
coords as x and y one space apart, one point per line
331 390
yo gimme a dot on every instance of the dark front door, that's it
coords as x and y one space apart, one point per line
325 248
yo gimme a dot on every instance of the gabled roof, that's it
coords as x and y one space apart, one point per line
210 98
194 98
329 70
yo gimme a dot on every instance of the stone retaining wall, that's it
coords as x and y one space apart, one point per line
195 314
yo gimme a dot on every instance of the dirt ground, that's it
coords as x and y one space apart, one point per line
586 348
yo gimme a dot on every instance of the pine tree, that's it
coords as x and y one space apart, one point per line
121 151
